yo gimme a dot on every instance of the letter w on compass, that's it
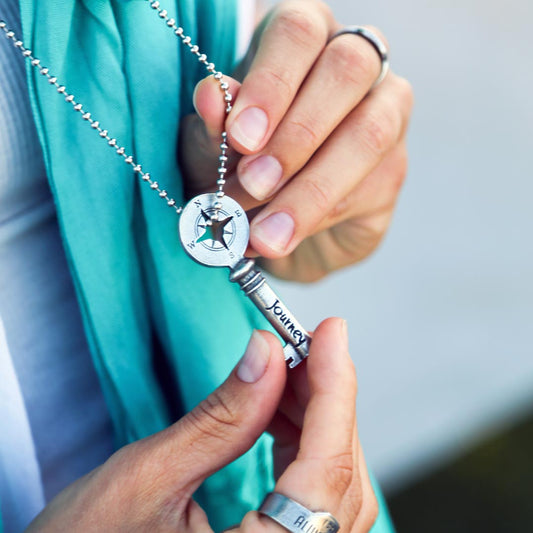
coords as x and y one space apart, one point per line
220 239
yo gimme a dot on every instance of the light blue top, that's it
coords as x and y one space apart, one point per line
134 283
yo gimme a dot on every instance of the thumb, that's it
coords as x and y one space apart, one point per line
226 424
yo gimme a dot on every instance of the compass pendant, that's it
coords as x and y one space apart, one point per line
216 233
211 242
222 242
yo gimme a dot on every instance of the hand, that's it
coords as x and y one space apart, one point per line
318 458
148 485
318 159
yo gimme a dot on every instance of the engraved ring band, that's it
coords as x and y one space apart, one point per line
375 41
295 517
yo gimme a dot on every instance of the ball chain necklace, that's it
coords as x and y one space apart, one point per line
213 228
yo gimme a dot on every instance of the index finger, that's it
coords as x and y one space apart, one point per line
292 40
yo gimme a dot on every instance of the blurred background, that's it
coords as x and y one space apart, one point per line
441 317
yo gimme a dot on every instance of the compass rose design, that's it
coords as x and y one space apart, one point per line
214 240
215 234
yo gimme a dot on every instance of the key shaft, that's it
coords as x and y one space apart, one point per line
254 285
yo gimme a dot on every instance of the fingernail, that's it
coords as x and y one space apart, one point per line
261 176
254 362
275 231
194 94
250 128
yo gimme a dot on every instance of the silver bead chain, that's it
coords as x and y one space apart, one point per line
111 141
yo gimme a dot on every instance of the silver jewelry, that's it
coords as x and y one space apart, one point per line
295 517
208 237
222 242
375 41
111 141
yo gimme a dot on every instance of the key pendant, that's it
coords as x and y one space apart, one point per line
222 242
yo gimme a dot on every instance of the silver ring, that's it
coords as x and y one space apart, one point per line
375 41
295 517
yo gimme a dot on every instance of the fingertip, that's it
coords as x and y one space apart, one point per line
330 337
261 249
254 362
274 235
276 350
333 328
249 129
263 361
201 95
329 359
260 176
277 366
209 103
195 96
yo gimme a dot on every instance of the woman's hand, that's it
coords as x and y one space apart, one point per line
319 158
148 485
318 458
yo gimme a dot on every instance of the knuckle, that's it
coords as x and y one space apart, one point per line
363 240
405 92
299 24
339 471
405 89
317 193
342 209
352 61
376 231
214 418
277 80
305 133
394 171
381 131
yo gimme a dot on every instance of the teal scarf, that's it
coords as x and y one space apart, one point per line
133 281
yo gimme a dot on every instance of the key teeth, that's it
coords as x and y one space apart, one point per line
292 357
